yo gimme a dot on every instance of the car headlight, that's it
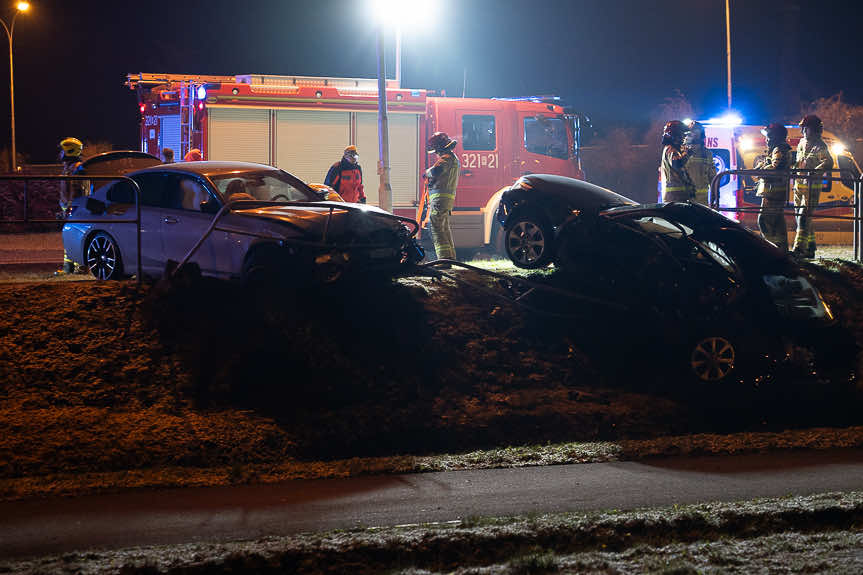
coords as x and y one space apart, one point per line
797 298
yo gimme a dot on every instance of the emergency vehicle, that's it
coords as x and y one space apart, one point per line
737 146
302 124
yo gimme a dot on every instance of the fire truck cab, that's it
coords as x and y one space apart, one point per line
303 124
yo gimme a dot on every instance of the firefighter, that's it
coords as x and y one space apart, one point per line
699 166
773 191
346 177
70 156
442 182
813 156
676 185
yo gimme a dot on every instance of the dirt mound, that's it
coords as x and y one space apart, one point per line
109 376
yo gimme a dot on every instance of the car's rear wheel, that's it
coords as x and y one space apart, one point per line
102 257
528 242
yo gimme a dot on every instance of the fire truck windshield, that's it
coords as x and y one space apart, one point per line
270 186
546 136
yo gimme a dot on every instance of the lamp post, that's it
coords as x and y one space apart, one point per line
394 14
10 32
728 46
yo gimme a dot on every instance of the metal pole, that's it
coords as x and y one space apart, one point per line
398 56
10 31
384 190
858 225
728 46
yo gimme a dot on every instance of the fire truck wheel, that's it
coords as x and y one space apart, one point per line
102 257
528 242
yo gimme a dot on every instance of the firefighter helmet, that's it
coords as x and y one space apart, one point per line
193 155
72 147
696 127
811 121
440 142
774 132
673 132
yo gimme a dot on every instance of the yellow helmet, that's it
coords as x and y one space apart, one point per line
72 147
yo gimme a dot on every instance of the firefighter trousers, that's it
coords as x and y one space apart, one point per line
805 203
701 196
439 215
771 221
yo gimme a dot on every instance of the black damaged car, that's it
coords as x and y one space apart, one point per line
715 298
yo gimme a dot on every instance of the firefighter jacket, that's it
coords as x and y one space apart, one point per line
812 155
779 158
443 176
700 167
69 190
346 178
675 179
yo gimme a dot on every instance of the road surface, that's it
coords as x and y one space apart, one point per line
31 528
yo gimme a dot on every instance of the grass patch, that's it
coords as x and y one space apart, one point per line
794 534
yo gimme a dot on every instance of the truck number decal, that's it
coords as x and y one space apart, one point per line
479 160
151 120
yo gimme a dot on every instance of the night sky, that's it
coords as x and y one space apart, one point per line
614 60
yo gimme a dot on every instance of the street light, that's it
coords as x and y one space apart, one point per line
10 32
400 14
391 14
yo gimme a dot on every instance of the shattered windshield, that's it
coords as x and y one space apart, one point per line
546 136
269 186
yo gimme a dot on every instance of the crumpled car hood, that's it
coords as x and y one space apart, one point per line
312 220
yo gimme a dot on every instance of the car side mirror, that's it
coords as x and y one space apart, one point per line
95 207
209 207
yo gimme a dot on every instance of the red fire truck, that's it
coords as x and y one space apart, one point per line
302 124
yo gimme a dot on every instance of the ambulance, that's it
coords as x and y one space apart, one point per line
738 146
302 124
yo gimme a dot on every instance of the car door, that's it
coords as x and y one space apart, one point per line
121 195
183 224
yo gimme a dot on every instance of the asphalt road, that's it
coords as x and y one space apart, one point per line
31 528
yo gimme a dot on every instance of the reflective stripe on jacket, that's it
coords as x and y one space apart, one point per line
443 176
700 167
674 176
812 156
779 158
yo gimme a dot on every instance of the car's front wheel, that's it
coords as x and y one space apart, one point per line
712 358
102 256
528 242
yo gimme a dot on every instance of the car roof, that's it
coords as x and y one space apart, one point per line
209 169
589 194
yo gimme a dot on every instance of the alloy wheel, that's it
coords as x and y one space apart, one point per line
526 243
102 257
712 358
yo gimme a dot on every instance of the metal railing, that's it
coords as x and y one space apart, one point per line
331 207
799 174
28 220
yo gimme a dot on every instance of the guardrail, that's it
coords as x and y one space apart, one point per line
800 174
82 178
331 207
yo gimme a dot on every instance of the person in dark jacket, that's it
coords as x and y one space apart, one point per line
773 190
346 177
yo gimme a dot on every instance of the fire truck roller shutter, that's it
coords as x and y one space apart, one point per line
404 143
169 134
308 142
239 135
